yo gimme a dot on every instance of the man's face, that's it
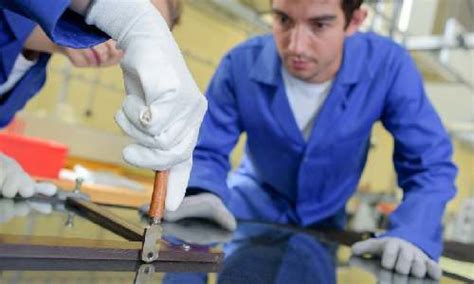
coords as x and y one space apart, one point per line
309 35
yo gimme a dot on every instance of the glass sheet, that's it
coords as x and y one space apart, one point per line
254 253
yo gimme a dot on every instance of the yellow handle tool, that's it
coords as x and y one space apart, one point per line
154 231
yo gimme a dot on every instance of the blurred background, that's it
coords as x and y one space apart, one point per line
77 106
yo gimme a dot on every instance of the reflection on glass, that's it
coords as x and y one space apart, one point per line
254 253
262 254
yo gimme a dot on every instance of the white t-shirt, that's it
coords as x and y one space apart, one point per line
21 66
305 100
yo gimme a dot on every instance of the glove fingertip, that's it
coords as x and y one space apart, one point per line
174 196
359 248
434 271
26 187
172 205
8 192
223 217
173 201
177 184
231 225
46 188
27 192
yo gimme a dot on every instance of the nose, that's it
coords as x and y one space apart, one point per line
298 40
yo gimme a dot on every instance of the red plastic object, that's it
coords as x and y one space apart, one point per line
38 157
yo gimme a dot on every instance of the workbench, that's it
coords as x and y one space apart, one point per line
254 253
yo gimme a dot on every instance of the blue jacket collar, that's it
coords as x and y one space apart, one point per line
355 62
267 66
355 66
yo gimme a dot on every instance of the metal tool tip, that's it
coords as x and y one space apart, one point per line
150 250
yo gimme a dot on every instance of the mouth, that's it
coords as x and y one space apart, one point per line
298 64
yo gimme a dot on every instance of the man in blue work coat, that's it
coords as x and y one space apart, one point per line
307 97
163 108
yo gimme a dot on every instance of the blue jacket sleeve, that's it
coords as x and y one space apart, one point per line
422 158
218 135
62 25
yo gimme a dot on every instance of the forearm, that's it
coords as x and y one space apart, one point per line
80 6
38 41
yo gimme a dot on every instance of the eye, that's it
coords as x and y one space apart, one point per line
320 25
282 20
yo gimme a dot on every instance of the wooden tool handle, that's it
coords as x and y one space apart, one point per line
157 205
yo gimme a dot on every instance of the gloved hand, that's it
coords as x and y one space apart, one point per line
10 209
164 107
203 205
384 276
399 255
13 180
193 232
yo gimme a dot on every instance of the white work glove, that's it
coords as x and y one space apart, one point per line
384 276
164 107
399 255
203 205
206 206
197 233
10 209
14 180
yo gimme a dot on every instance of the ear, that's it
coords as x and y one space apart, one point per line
357 20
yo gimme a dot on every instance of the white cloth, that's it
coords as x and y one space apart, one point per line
305 100
20 67
14 180
164 107
399 255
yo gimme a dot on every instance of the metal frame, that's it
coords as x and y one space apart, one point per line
42 264
13 246
33 247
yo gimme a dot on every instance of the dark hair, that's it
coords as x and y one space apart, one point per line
348 7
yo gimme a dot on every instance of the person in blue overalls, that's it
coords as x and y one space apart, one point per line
163 108
307 97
